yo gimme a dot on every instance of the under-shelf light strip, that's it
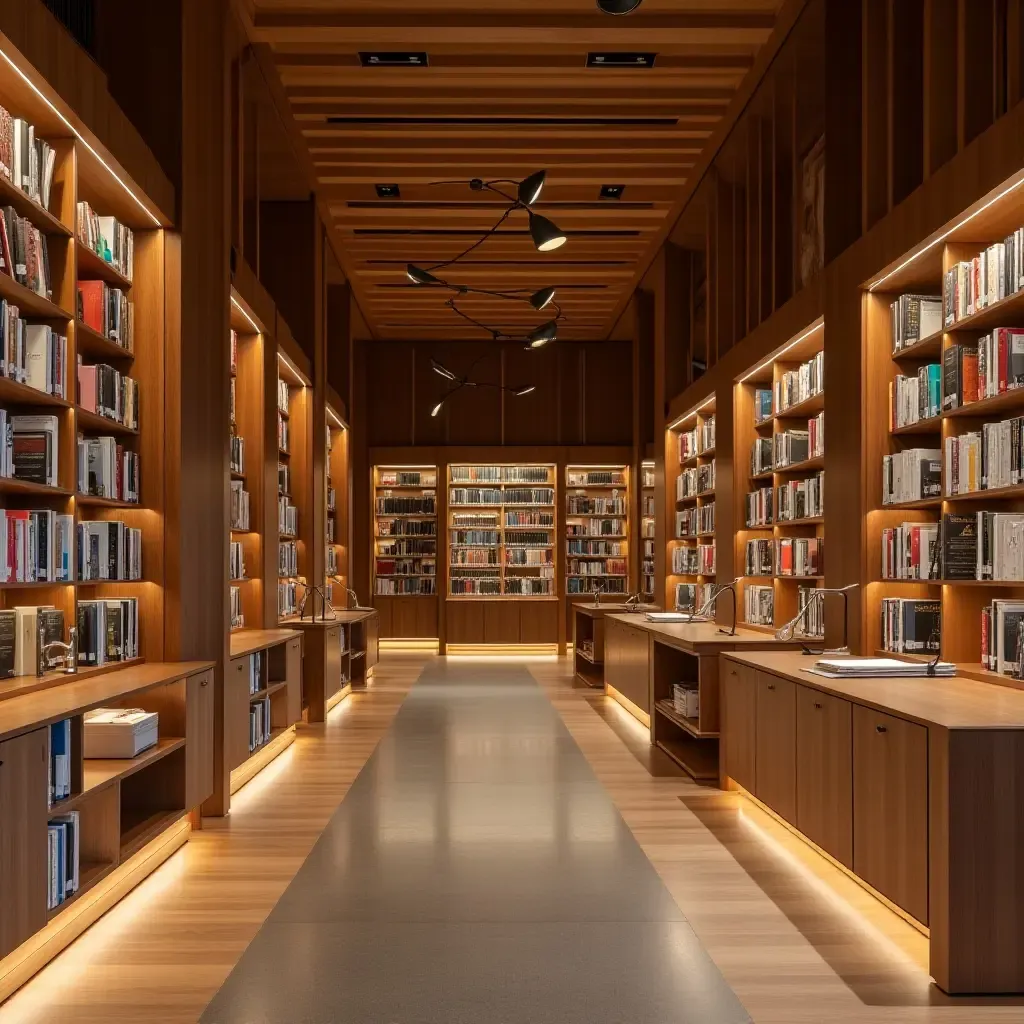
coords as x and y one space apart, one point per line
241 309
692 413
778 355
81 138
337 419
291 366
938 241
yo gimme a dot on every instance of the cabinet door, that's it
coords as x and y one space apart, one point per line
199 705
293 673
824 772
332 663
739 724
371 630
890 808
775 746
23 846
236 712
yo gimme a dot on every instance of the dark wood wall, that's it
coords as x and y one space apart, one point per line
583 396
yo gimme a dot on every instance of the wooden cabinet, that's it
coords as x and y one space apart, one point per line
293 673
236 712
824 772
775 758
890 808
739 725
332 661
627 665
199 711
23 847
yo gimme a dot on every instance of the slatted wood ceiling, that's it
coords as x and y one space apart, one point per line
493 64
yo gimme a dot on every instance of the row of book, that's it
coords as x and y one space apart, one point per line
109 551
698 441
331 560
236 457
236 561
287 518
911 475
108 238
426 547
759 605
461 586
238 511
500 474
801 499
691 597
406 528
986 459
471 537
391 506
287 558
105 391
457 496
406 478
284 397
910 551
36 546
579 504
106 469
24 253
597 478
287 598
424 586
973 285
284 435
599 548
609 567
527 538
786 556
763 405
63 852
596 528
535 586
467 556
695 481
590 585
258 672
693 522
26 161
236 616
519 517
911 625
529 556
529 496
912 399
108 630
801 384
32 354
914 317
813 623
992 366
108 311
259 723
694 561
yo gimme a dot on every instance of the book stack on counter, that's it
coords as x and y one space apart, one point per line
691 597
287 518
813 623
35 546
237 456
763 408
107 469
259 723
109 239
762 456
911 625
107 392
800 556
758 558
235 608
687 445
24 253
32 354
239 509
236 561
706 559
287 598
108 311
983 546
911 475
686 484
26 161
759 507
910 551
791 447
32 448
912 399
796 386
108 631
802 499
109 551
759 605
914 317
991 367
685 562
706 478
992 275
706 436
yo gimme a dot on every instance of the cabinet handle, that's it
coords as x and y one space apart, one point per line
771 686
204 682
817 706
881 728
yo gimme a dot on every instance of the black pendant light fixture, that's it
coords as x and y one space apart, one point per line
618 6
464 382
546 235
542 298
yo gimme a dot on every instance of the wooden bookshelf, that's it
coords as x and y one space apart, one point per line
597 530
648 523
756 423
690 445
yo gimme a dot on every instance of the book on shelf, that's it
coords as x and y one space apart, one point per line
284 478
706 477
236 561
428 546
1002 626
986 459
24 253
423 586
530 586
232 405
910 551
239 508
26 160
594 585
233 351
911 475
758 557
287 598
237 618
106 469
259 723
763 407
959 546
597 478
912 399
914 317
801 499
689 598
993 275
791 447
530 496
108 311
813 624
801 384
911 625
647 477
284 435
686 484
331 560
287 518
107 238
59 757
595 548
237 454
108 631
35 546
706 435
762 456
63 836
759 605
8 642
800 556
759 505
580 504
603 567
388 505
105 391
259 676
686 524
420 566
35 444
706 559
983 546
32 354
109 551
284 397
406 478
687 444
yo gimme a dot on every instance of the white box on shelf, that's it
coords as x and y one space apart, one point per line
686 700
119 732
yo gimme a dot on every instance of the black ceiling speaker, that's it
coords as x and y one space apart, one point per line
618 6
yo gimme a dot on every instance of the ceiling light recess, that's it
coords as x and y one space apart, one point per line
612 191
393 58
388 192
618 6
621 59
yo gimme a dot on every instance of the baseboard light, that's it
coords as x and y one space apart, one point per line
249 769
637 712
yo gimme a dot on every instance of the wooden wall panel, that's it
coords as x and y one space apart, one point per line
906 91
570 394
388 402
607 393
339 340
473 416
533 418
940 83
288 265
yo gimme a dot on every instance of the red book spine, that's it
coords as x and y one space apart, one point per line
915 549
984 638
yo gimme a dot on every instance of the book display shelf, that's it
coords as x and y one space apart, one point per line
294 466
501 532
780 445
690 490
337 521
944 332
597 530
648 522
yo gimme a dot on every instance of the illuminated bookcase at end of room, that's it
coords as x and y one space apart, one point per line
648 523
405 532
945 349
597 529
336 520
779 457
501 532
691 558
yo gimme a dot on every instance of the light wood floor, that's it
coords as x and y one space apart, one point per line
767 910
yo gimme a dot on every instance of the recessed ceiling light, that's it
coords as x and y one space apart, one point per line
618 6
392 59
628 59
611 191
388 192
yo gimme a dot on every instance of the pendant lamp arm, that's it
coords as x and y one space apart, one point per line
480 241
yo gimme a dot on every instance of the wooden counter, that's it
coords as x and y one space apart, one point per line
911 784
644 660
588 625
249 641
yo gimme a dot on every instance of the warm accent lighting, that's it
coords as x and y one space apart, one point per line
531 187
543 334
241 309
437 408
442 370
542 298
525 391
546 235
420 276
782 351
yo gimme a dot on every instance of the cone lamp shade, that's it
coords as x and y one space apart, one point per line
546 235
531 187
